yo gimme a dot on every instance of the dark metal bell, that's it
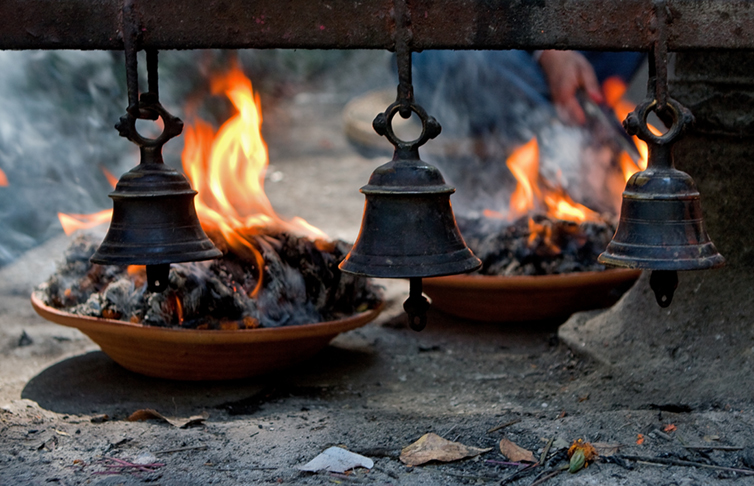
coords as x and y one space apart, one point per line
408 228
154 220
661 226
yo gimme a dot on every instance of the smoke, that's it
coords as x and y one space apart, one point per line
491 102
58 109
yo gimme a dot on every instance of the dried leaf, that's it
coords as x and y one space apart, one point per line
338 460
514 453
639 439
148 413
432 447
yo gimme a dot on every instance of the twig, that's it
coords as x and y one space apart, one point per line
546 478
449 430
679 462
516 474
714 447
546 451
502 426
506 463
179 449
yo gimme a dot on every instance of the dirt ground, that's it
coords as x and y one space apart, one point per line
373 391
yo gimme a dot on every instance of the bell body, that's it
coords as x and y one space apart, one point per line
408 228
154 221
661 226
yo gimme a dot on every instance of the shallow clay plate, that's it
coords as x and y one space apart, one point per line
527 298
191 354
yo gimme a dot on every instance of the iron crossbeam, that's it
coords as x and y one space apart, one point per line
369 24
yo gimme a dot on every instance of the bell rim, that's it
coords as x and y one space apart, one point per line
714 260
157 259
462 261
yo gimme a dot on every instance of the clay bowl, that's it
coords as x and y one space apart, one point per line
527 298
189 354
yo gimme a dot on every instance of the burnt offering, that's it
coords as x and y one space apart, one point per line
536 245
298 283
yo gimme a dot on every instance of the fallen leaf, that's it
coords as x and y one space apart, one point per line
669 428
606 450
639 439
148 413
432 447
514 453
338 460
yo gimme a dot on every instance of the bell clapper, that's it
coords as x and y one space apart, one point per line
158 277
664 283
416 305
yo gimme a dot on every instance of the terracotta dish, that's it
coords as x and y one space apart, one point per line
527 298
190 354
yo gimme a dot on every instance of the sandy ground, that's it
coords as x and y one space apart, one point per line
373 391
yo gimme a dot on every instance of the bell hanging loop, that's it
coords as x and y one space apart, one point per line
154 220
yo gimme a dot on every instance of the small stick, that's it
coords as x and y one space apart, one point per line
505 463
546 451
714 447
516 474
678 462
179 449
502 426
546 478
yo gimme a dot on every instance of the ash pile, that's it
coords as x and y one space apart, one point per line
536 245
299 283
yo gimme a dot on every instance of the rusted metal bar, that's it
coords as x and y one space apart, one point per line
352 24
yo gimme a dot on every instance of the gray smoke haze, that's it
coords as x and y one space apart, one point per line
58 109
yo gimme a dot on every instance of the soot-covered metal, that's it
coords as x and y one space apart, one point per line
348 24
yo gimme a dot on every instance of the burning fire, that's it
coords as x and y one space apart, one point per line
227 168
534 193
614 89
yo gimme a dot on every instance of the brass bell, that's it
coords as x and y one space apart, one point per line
661 226
408 229
154 221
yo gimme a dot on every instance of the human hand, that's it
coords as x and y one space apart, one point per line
566 73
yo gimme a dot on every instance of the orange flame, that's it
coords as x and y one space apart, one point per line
614 89
227 168
535 193
74 222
